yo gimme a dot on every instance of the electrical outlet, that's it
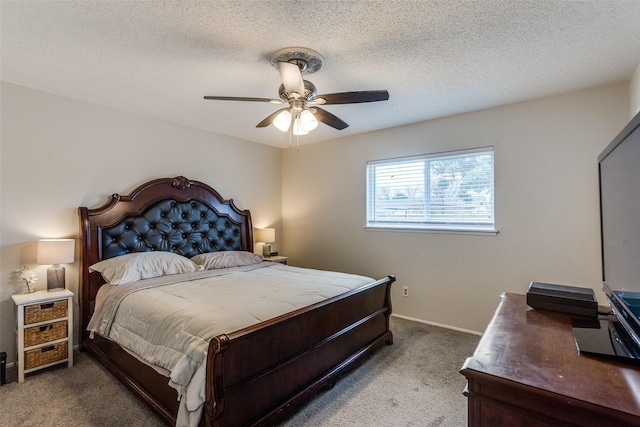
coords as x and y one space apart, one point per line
405 291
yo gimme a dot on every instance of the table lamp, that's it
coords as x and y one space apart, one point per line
55 252
266 236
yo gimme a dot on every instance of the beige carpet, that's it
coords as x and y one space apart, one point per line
414 382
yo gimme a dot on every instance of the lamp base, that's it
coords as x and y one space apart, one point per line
55 278
266 250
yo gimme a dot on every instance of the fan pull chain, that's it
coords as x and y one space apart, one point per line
293 119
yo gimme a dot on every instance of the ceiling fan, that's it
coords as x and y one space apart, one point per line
303 112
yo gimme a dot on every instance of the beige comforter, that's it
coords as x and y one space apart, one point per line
169 321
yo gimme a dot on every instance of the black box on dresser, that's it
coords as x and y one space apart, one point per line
564 299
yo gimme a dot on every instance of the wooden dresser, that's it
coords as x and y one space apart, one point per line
526 371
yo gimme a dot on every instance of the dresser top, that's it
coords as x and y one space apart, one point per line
536 349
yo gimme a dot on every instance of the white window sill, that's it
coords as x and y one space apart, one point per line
441 230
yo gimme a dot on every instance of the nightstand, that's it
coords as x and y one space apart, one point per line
44 330
281 259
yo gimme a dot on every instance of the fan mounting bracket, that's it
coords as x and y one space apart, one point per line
309 61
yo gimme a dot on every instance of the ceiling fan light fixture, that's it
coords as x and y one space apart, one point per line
283 120
308 121
302 124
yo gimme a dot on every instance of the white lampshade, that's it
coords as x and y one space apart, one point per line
55 251
266 235
308 121
297 127
283 121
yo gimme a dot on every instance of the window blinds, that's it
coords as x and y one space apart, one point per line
445 190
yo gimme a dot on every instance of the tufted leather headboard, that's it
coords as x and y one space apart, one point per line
169 214
186 228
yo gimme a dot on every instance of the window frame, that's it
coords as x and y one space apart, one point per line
442 226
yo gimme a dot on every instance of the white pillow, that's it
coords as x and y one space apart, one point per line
226 259
143 265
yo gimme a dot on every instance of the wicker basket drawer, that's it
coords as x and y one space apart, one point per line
47 354
45 333
46 311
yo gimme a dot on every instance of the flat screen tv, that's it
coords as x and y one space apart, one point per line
618 336
619 171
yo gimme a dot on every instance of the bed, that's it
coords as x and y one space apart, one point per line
258 374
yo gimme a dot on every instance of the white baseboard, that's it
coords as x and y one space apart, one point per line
440 325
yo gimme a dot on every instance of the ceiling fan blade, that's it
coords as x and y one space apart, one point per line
266 122
239 98
352 97
291 77
329 119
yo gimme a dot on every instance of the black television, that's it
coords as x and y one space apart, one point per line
619 179
619 166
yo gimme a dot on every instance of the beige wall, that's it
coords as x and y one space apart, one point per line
58 154
546 195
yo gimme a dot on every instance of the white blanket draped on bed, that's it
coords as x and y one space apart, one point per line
168 321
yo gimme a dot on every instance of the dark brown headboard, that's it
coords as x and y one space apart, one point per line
167 214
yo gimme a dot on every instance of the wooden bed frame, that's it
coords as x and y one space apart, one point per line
259 374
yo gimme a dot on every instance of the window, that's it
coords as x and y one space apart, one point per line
445 191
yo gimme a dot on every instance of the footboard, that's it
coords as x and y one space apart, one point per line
265 372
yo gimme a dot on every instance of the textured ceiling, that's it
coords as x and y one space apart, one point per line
436 58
